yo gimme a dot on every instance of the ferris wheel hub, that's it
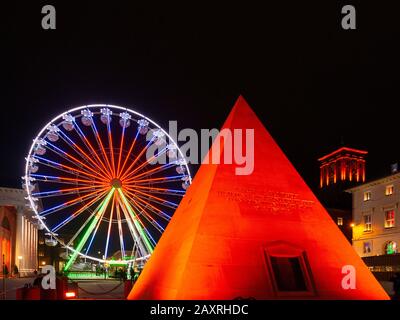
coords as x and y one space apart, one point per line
116 183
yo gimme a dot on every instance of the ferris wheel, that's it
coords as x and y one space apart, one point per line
104 179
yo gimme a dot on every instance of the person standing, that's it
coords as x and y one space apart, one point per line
396 286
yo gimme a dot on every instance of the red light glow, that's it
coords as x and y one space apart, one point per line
230 232
70 294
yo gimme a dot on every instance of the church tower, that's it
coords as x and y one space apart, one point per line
343 166
340 170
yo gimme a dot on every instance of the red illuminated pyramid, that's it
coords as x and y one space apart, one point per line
263 235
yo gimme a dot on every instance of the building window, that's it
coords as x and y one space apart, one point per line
389 190
339 221
367 195
389 219
391 247
367 247
367 223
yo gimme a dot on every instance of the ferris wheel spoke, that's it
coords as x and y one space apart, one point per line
160 182
72 158
121 147
143 231
63 192
70 183
135 252
57 167
78 212
136 159
93 151
67 204
83 154
156 190
147 162
87 221
120 232
100 143
134 233
47 178
63 167
169 193
98 213
97 225
111 148
158 200
146 215
129 152
154 209
159 179
151 172
109 226
59 191
61 154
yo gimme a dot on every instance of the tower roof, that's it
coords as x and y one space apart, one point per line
263 235
342 151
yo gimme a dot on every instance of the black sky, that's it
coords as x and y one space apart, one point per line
309 81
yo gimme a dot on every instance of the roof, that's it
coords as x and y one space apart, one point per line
375 182
343 149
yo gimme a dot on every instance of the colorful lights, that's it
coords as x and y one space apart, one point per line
344 164
135 221
92 225
75 169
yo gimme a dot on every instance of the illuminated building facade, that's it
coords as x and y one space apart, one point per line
344 164
376 215
18 232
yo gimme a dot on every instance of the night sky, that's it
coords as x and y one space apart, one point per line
312 83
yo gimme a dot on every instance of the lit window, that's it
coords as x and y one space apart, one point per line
367 247
389 190
367 195
367 223
389 219
391 247
339 221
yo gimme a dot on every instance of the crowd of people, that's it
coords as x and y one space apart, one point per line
122 273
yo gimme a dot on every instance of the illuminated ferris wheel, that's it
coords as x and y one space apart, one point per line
102 179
